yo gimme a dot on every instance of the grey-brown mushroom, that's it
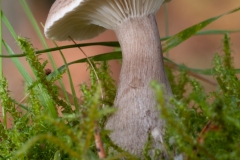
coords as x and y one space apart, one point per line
135 26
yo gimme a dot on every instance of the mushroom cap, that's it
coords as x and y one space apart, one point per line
85 19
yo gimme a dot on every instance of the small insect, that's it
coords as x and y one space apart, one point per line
48 71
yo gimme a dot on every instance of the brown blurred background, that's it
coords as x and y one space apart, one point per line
196 52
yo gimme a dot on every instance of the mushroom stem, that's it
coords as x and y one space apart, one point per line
142 62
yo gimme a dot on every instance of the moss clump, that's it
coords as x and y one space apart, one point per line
198 125
201 125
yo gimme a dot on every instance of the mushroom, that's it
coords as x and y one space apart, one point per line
135 26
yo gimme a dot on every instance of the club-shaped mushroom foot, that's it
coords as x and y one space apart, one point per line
137 116
135 26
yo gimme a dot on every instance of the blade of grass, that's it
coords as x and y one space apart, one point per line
18 64
216 32
187 33
63 89
40 36
1 69
102 57
37 29
117 55
45 99
75 100
16 61
116 44
108 44
207 72
9 26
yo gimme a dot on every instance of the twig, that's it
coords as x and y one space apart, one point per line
208 127
205 129
98 142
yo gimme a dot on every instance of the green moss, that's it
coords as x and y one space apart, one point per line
200 125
